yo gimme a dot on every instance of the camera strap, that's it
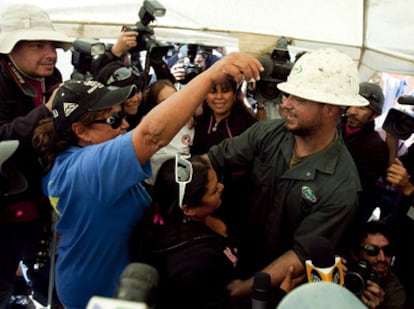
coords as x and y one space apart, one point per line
18 78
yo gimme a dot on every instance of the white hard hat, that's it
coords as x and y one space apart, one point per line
326 76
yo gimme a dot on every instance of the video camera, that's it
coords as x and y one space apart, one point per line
277 68
400 121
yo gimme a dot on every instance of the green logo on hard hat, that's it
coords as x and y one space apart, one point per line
298 69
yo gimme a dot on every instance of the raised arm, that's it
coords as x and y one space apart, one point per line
166 119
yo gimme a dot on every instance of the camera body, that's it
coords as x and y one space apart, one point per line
191 70
355 279
145 39
277 67
85 52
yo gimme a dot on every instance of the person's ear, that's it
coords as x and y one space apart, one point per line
81 132
189 212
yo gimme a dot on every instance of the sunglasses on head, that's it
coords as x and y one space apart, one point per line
115 120
183 174
122 74
373 250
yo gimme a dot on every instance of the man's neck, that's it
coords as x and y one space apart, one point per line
309 145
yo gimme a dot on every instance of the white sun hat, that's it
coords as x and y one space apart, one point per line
327 76
26 22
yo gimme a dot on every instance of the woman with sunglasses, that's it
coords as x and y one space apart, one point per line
94 169
185 242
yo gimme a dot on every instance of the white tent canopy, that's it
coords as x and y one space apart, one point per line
377 34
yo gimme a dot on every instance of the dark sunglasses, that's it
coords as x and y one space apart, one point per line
124 73
183 174
115 120
372 250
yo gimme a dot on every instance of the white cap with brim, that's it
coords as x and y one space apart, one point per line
24 22
326 76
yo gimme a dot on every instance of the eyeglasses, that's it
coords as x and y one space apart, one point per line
373 250
115 120
183 174
124 73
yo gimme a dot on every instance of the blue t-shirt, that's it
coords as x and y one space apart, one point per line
98 195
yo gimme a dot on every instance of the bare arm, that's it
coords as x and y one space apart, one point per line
277 271
164 121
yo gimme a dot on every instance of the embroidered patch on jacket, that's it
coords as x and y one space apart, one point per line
308 194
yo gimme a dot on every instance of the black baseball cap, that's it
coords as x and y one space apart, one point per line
77 97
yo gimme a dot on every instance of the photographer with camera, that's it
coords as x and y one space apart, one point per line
196 61
28 76
368 274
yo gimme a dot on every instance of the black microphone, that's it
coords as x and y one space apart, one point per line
261 290
406 99
138 283
323 265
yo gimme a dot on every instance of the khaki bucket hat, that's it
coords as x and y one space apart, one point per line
25 22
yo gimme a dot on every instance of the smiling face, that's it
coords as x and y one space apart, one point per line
221 99
35 58
303 116
381 263
131 105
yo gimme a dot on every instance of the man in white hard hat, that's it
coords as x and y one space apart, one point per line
304 183
28 76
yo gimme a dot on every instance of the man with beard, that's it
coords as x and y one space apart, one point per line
303 181
367 148
28 76
375 246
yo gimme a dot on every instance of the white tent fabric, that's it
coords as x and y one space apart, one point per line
377 34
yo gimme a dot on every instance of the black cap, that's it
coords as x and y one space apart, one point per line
77 97
119 74
373 93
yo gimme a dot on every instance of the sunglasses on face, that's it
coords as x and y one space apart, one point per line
183 174
124 73
373 250
115 120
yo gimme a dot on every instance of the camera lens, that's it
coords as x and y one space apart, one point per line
354 282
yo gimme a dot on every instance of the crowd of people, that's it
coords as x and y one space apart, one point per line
191 179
